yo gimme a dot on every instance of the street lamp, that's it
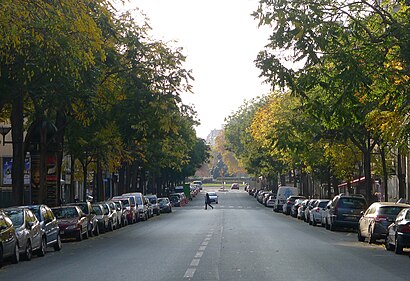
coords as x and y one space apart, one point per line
4 131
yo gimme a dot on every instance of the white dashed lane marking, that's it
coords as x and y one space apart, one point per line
189 273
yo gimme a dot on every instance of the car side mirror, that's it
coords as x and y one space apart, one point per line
362 213
30 225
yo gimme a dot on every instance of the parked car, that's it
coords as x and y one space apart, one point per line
72 222
375 220
309 207
213 197
283 193
140 203
111 214
117 213
165 205
150 209
49 225
153 199
102 217
271 201
318 211
301 209
122 211
177 199
325 215
86 208
9 247
295 207
345 211
198 184
29 233
398 233
235 186
130 204
287 206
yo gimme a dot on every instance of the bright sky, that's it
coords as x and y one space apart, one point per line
221 40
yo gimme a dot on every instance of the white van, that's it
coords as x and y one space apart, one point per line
283 193
141 203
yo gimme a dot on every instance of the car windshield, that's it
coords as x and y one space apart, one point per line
97 210
16 217
125 203
352 203
83 207
174 198
323 204
390 210
212 193
139 201
65 213
36 211
152 200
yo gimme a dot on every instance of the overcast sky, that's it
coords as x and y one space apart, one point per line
221 40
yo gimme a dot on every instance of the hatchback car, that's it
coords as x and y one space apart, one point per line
154 203
345 211
318 211
129 208
86 208
213 197
375 220
72 222
235 186
287 206
102 217
29 233
398 233
48 223
165 205
8 240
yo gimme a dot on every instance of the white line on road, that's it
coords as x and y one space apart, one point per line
202 248
199 254
195 262
189 273
205 243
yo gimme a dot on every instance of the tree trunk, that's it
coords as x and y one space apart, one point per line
401 176
100 182
17 169
72 178
385 173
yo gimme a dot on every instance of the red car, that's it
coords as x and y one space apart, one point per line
72 222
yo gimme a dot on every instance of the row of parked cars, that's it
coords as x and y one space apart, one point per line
28 230
387 222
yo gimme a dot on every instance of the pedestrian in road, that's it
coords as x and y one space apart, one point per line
207 201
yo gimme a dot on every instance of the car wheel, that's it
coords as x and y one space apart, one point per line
58 244
310 222
80 235
360 238
399 248
372 239
1 257
314 222
332 227
86 234
97 230
16 254
28 252
387 245
110 226
43 246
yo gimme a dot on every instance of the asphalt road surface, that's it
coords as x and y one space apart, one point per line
238 240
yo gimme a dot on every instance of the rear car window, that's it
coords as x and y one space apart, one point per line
390 210
352 203
322 204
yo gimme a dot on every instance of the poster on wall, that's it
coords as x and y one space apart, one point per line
6 171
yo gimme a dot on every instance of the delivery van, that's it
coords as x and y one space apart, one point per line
283 193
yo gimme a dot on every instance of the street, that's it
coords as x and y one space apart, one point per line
239 239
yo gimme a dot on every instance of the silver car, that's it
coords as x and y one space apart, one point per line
29 233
